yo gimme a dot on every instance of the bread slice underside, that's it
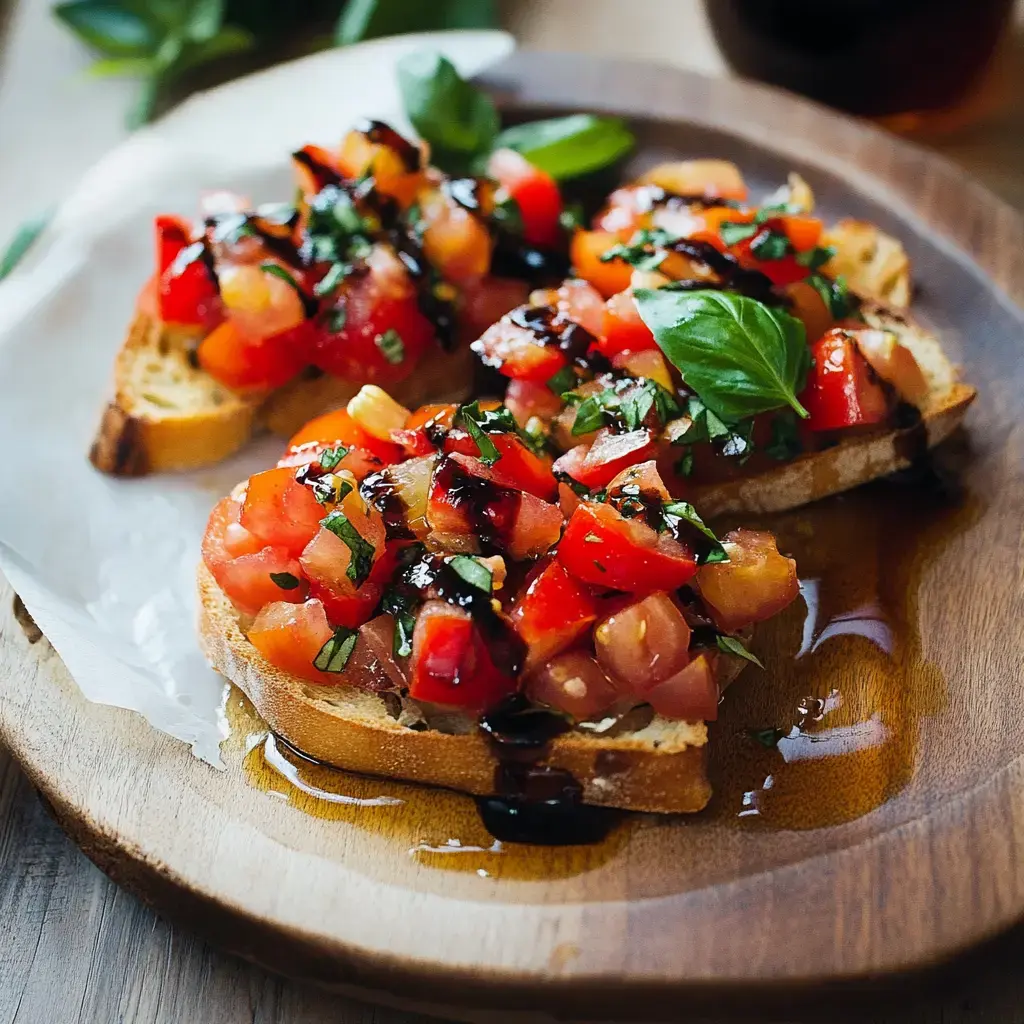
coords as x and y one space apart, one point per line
659 765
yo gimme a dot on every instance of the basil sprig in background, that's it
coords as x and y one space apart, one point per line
738 355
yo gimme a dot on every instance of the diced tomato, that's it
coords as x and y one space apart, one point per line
315 168
259 302
455 240
810 308
280 510
392 162
450 662
242 564
189 297
552 613
517 466
535 193
586 251
375 306
583 304
516 352
623 330
527 398
691 695
842 390
334 428
756 583
608 456
647 362
290 636
642 643
536 529
353 608
439 414
248 364
803 231
573 682
781 272
415 443
603 548
645 476
628 210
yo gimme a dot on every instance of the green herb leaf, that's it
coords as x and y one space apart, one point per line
23 240
816 257
336 319
740 356
205 18
141 111
329 489
684 467
331 280
834 294
330 457
285 580
567 147
276 270
470 418
229 40
571 217
361 563
732 232
730 645
770 245
368 19
458 120
709 549
402 608
391 346
110 27
785 443
590 414
475 573
116 67
334 654
564 380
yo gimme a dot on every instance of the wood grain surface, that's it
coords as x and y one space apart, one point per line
63 972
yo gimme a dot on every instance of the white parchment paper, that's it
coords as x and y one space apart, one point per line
107 567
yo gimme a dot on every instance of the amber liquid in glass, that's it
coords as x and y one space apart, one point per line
877 58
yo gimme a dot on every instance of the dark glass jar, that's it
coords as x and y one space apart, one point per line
877 58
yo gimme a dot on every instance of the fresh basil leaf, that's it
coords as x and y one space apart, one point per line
117 67
733 232
475 573
816 257
684 467
329 489
110 27
23 240
590 414
361 562
285 580
402 608
368 19
334 654
710 549
785 442
391 346
643 251
567 147
205 19
770 245
730 645
332 280
228 41
740 356
564 380
142 110
455 117
330 457
336 319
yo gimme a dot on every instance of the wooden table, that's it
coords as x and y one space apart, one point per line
74 947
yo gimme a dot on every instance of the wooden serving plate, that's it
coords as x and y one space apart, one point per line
882 838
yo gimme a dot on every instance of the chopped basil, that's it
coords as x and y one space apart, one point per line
730 645
733 232
710 549
276 270
475 573
336 319
361 562
816 257
330 457
402 608
684 467
770 245
590 414
834 294
627 404
391 346
329 489
740 356
334 654
332 279
23 240
564 380
285 580
468 418
785 443
645 250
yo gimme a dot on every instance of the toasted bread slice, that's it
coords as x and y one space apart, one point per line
657 766
856 459
168 414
